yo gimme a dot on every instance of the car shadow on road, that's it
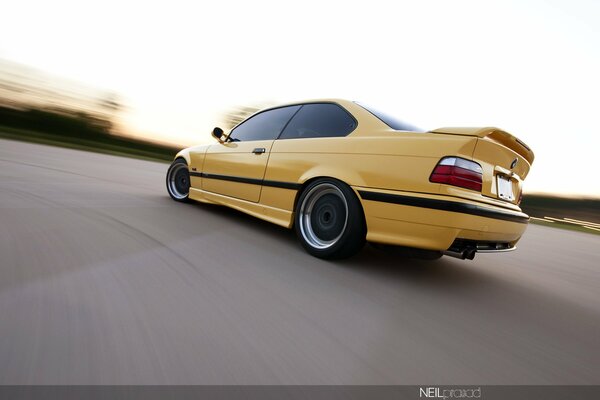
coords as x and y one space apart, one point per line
388 263
392 264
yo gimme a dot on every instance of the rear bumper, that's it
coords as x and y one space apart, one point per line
435 222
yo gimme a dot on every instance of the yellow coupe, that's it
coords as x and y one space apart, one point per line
342 173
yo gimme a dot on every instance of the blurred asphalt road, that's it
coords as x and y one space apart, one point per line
105 280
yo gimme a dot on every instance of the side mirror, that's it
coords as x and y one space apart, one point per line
218 134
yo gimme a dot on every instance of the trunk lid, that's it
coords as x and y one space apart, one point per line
505 160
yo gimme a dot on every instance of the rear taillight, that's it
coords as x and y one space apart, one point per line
459 172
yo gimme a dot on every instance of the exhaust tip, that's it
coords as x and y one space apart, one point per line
463 254
466 249
466 254
470 253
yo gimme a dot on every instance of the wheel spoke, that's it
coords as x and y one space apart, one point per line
178 181
323 216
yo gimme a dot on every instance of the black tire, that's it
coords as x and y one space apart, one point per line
178 180
329 220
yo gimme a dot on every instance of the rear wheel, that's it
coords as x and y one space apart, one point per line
178 180
329 220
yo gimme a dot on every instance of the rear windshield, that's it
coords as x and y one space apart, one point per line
390 121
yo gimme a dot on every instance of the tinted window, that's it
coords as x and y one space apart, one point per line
264 126
319 120
391 121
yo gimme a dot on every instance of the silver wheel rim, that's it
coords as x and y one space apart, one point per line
175 173
306 213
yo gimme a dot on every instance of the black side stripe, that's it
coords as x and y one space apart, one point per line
251 181
445 205
283 185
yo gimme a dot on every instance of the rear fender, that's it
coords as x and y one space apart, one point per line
349 177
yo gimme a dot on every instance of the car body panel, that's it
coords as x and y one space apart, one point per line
236 160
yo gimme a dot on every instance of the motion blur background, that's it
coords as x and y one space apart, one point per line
104 280
147 78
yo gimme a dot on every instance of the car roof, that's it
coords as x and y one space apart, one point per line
322 100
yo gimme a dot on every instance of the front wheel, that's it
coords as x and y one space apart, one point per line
329 220
178 180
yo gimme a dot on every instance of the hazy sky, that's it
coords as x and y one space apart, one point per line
529 67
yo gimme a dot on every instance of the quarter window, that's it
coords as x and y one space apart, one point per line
319 120
391 121
264 126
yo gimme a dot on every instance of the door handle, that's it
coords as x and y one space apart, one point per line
259 150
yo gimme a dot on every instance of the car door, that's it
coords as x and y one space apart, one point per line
237 166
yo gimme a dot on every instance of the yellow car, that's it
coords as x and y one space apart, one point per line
342 173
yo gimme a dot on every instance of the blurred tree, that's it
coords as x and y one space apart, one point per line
31 100
111 103
110 108
236 115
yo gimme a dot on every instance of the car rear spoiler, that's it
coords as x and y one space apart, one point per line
495 134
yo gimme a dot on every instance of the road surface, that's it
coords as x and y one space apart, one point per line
105 280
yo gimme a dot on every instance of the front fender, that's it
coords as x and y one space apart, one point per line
193 155
185 154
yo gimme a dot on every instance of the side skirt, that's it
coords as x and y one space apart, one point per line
274 215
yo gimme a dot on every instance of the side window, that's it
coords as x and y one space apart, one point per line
319 120
264 126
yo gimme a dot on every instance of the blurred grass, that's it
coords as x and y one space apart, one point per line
113 145
540 206
569 227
